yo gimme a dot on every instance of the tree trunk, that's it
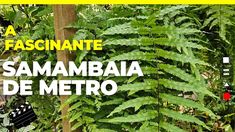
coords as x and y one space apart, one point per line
63 16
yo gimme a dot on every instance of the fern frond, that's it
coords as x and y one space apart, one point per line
146 56
220 16
186 87
148 126
176 72
125 28
70 100
170 9
125 42
150 70
150 84
75 116
185 102
76 125
179 57
113 102
181 19
136 103
148 129
170 128
168 30
152 41
182 117
177 43
134 55
139 117
121 18
75 106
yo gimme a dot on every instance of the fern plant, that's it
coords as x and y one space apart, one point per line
166 40
219 16
153 102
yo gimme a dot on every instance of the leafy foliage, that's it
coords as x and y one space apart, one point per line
220 16
173 45
34 22
165 49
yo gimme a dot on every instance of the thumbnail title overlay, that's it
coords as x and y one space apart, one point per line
64 87
28 45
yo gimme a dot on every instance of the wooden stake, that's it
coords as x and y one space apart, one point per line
63 16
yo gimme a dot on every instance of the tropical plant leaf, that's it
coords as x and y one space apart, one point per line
150 84
141 116
136 103
170 128
182 86
182 117
134 55
185 102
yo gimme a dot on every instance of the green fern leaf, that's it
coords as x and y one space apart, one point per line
151 84
168 30
121 29
188 25
120 18
185 102
177 42
75 116
89 110
126 42
88 101
170 128
181 19
176 72
148 129
179 57
88 119
113 102
152 41
134 55
221 16
171 9
186 87
150 70
76 126
136 103
75 106
71 99
182 117
141 116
